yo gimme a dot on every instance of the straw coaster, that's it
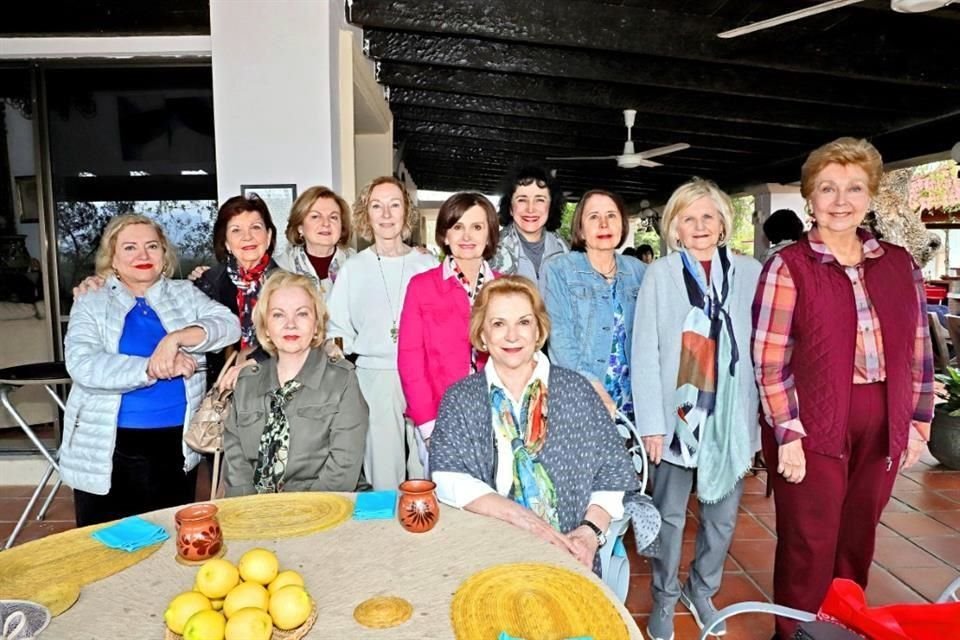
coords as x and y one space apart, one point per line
281 515
533 601
293 634
383 612
52 570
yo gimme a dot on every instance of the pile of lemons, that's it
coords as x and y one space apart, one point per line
240 602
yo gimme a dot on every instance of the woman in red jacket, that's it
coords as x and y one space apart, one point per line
845 371
434 347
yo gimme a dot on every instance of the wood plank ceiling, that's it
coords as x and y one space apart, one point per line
478 85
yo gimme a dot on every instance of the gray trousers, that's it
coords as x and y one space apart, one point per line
671 490
390 456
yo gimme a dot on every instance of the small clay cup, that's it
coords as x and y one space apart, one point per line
199 536
418 510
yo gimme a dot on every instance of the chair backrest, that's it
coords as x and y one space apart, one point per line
953 328
941 357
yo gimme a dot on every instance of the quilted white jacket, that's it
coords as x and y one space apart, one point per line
101 375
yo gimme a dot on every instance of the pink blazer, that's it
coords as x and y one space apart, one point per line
434 343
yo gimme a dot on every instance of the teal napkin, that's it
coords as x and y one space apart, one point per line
506 636
130 534
375 505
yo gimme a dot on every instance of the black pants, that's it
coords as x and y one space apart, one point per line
147 475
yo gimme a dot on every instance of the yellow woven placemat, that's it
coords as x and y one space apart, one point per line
383 612
281 515
52 570
535 602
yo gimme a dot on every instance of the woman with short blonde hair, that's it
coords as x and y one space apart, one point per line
683 197
281 280
318 235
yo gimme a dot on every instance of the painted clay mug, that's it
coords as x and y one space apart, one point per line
198 532
418 509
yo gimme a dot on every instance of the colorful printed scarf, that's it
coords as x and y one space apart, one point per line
275 441
301 264
532 486
248 283
471 296
708 434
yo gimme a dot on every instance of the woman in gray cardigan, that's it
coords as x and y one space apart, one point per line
691 361
298 421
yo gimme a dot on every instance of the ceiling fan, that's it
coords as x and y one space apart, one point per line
630 159
900 6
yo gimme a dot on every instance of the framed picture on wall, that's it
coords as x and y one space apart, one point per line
26 202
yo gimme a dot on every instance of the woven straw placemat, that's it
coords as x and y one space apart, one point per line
383 612
51 571
292 634
535 602
281 515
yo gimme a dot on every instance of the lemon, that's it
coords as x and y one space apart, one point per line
217 604
283 579
249 624
182 607
245 594
290 606
259 565
216 577
205 625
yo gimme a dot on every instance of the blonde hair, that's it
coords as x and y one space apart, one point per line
103 263
361 219
502 287
842 151
684 196
281 279
302 206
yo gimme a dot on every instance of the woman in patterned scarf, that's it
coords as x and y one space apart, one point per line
434 347
525 441
318 235
691 358
298 395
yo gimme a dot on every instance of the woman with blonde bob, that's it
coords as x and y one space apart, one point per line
365 306
691 359
318 236
844 364
132 349
297 396
493 451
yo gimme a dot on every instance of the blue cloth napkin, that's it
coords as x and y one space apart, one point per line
506 636
375 505
130 534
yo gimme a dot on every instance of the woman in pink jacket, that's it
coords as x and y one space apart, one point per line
434 347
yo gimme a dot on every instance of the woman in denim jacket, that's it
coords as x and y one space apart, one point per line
591 295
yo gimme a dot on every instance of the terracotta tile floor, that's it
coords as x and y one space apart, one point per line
918 547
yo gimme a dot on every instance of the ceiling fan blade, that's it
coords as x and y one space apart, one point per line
787 17
585 158
629 162
918 6
662 151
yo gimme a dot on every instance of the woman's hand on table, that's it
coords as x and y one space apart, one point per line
791 462
585 545
525 519
654 448
912 453
608 402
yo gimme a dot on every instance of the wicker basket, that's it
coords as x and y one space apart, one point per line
292 634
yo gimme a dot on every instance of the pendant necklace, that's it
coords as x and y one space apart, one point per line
394 332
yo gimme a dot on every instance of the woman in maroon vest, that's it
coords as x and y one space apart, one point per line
845 372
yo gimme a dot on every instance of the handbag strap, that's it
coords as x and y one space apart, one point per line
226 365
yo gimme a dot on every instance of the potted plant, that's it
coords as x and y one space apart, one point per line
945 430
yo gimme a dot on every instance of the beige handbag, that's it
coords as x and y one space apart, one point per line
205 432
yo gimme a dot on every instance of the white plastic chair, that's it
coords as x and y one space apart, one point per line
614 564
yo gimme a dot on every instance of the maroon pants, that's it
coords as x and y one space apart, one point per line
827 524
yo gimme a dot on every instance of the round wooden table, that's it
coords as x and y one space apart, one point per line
342 567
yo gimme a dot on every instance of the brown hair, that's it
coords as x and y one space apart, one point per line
842 151
103 263
453 209
281 279
302 206
503 286
577 241
234 207
361 219
684 196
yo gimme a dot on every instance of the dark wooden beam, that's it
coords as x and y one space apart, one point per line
651 72
905 52
712 108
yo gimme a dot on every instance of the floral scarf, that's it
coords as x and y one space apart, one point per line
248 283
275 441
471 296
708 434
301 264
532 486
